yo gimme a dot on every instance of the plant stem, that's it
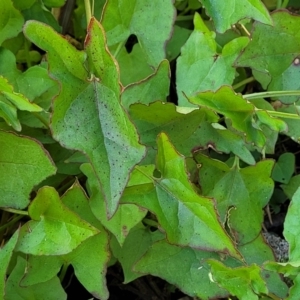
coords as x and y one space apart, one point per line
120 46
63 272
278 5
10 223
271 94
280 114
243 82
16 211
284 3
184 18
88 11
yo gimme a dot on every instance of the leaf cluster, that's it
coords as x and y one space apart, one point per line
150 134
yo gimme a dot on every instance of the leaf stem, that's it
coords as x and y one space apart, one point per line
27 53
271 94
12 222
184 18
243 82
16 211
88 11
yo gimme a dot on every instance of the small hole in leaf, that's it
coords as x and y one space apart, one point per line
131 41
296 61
156 174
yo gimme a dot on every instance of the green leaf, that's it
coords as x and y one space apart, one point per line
131 252
41 269
6 253
54 229
183 267
23 164
90 258
197 132
11 21
201 67
19 100
120 19
244 282
274 63
235 109
227 13
91 108
124 219
49 290
188 219
291 227
290 188
239 193
153 88
284 168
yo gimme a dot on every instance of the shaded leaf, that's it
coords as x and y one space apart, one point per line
11 21
284 168
6 253
50 290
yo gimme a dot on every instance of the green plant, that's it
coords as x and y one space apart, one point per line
98 156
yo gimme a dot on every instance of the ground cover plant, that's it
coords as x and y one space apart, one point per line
150 138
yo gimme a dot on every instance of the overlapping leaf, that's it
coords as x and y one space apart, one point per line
200 67
227 13
273 54
24 163
197 133
239 193
54 229
187 218
87 114
121 19
124 219
13 291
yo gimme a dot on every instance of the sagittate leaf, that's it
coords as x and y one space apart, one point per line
54 229
227 13
275 64
187 218
11 21
201 67
87 115
23 164
244 282
50 290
